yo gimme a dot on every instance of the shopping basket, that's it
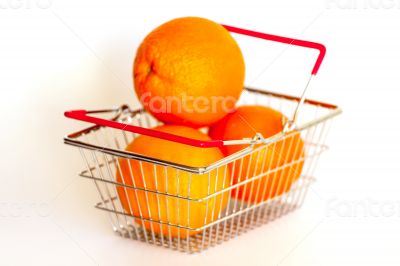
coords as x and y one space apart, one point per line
102 147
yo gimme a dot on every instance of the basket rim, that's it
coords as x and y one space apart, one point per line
72 139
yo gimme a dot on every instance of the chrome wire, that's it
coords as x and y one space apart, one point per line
153 185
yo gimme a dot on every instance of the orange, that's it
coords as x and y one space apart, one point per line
178 183
283 160
189 71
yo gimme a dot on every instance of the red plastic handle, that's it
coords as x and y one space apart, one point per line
82 115
290 41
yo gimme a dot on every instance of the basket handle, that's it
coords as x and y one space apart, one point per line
320 47
83 115
291 123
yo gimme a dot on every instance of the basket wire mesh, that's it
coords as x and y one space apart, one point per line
102 149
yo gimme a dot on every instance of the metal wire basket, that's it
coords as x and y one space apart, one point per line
169 222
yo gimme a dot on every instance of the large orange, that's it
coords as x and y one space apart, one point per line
189 71
171 209
283 160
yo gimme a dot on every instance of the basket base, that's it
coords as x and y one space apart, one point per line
212 235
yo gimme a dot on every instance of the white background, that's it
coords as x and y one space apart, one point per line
59 55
